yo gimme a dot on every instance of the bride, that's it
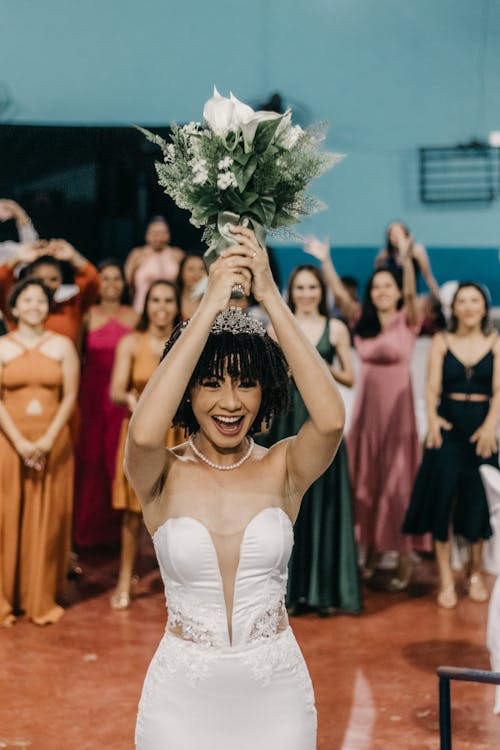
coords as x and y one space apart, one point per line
228 672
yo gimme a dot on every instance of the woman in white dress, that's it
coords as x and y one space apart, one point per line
228 672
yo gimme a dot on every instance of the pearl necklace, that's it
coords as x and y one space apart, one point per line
206 460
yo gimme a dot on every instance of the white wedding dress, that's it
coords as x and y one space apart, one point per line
219 682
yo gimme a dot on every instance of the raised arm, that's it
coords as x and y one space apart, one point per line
321 251
420 254
311 451
86 274
340 339
409 284
147 460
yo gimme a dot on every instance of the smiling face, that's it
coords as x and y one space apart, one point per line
385 293
469 307
193 271
49 274
112 284
306 292
225 408
32 306
162 306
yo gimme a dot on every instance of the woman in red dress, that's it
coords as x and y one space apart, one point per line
107 322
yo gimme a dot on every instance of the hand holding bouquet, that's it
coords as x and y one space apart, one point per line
241 167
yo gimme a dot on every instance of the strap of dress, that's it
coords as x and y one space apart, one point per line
45 337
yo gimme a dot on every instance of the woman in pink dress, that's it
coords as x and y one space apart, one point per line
383 446
156 260
95 520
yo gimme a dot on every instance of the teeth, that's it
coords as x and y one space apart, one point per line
229 420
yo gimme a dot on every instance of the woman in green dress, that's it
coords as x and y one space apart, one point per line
323 571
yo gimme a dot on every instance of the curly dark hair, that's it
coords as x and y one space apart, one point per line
25 284
368 325
316 272
143 322
486 326
243 356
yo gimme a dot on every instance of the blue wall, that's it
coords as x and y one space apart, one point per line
448 264
389 75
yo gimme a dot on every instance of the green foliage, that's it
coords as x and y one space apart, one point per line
265 180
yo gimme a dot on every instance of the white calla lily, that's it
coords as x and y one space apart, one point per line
249 127
241 112
218 113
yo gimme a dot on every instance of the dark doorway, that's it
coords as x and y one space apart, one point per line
94 186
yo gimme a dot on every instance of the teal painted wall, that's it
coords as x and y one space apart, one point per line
389 75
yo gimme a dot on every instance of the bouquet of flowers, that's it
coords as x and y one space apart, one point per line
242 167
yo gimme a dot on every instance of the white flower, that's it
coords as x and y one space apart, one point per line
218 113
225 180
200 178
200 172
291 136
249 128
170 155
191 127
225 115
225 163
241 112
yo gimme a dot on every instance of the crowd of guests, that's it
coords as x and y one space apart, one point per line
74 359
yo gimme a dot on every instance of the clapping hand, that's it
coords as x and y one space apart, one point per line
317 248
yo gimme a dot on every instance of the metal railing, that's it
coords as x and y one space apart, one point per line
446 674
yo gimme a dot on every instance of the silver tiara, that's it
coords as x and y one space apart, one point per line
234 320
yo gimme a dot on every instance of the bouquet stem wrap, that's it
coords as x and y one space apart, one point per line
224 239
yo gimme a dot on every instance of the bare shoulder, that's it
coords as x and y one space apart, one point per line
58 346
128 316
495 343
129 342
178 251
419 251
338 331
439 343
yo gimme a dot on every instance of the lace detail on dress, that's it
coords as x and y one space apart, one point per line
265 622
198 623
280 653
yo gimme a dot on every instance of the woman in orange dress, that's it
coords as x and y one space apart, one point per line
137 357
39 382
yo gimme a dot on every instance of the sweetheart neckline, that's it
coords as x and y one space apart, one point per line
200 523
229 621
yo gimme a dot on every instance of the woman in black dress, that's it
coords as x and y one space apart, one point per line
464 379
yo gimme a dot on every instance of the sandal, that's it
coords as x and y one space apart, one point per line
120 600
476 589
447 597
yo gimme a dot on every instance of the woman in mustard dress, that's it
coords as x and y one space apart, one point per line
137 357
39 383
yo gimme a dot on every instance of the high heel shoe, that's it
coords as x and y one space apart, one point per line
476 589
120 600
447 597
402 579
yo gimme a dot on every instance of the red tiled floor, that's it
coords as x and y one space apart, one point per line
75 685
